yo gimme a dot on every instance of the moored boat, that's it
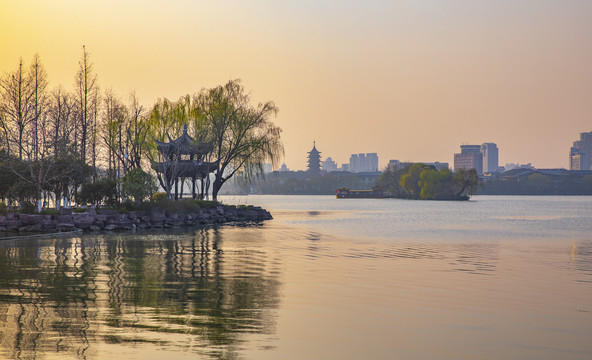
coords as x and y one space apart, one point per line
345 193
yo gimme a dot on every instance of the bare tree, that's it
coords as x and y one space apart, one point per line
136 133
15 104
39 103
87 98
61 125
114 114
25 100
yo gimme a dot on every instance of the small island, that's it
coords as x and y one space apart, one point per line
424 182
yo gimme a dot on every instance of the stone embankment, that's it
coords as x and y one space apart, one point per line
112 220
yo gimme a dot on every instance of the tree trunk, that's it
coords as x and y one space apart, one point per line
216 186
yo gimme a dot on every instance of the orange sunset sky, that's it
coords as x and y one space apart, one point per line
409 80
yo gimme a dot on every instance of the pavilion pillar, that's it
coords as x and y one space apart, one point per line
193 191
176 188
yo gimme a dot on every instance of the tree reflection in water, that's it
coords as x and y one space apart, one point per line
181 292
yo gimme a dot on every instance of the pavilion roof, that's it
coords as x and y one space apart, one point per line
184 144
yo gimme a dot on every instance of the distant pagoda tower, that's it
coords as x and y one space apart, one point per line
314 160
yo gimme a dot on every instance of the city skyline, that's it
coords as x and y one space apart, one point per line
408 80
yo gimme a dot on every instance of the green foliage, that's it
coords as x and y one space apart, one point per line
436 185
160 196
138 185
50 212
182 206
390 182
25 193
466 181
410 180
419 181
3 208
103 191
242 135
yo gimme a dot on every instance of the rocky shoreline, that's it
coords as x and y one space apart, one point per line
111 220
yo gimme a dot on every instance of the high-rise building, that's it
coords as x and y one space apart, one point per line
354 163
470 157
490 157
580 154
363 162
329 165
371 162
314 160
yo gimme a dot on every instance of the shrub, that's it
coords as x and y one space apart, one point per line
104 190
50 212
138 185
160 196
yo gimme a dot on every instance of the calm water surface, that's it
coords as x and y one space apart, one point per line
493 278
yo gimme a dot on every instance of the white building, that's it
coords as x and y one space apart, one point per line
329 165
490 157
363 162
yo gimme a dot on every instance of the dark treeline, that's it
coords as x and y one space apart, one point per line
89 146
539 184
416 181
300 183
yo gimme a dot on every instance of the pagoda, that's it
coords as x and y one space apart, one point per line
182 158
314 160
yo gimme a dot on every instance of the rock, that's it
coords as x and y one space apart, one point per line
31 219
94 228
13 216
107 212
110 227
63 227
12 224
83 221
64 219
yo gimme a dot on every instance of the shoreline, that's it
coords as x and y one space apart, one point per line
99 220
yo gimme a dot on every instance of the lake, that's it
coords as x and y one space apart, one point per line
493 278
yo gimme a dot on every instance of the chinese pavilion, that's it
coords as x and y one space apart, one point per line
182 158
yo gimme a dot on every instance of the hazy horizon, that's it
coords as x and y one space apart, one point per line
408 80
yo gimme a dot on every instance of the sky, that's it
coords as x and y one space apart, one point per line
409 80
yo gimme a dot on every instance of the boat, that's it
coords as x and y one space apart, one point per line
345 193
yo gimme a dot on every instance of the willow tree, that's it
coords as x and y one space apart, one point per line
242 134
164 121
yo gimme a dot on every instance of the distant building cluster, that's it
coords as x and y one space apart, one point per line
358 163
363 163
329 165
483 158
396 164
580 154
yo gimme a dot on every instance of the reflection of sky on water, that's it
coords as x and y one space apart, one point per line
484 218
324 279
179 293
